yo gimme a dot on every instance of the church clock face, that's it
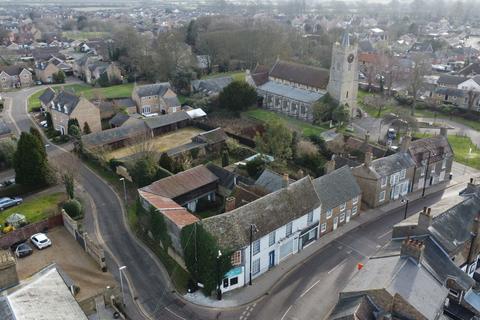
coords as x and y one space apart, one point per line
350 58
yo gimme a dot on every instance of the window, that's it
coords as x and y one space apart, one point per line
271 238
383 182
256 247
444 163
236 258
381 196
354 210
422 171
225 283
234 281
256 266
288 230
343 206
323 227
310 217
403 173
355 200
342 216
329 213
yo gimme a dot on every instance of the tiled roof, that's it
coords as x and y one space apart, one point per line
438 147
446 79
232 229
109 136
336 188
182 183
471 69
66 99
167 119
300 73
119 119
298 94
12 70
152 89
271 181
211 85
392 163
213 136
47 96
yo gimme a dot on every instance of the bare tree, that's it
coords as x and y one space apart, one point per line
472 98
66 166
389 70
421 66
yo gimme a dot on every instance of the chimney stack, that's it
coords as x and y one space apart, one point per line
475 241
8 270
405 143
412 249
444 131
229 204
330 165
285 180
424 219
367 136
368 158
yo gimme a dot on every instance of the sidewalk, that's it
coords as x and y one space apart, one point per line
263 284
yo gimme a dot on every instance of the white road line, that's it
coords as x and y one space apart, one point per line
337 266
166 308
384 234
243 313
285 314
347 246
241 317
306 291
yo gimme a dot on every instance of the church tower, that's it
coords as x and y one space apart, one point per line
343 82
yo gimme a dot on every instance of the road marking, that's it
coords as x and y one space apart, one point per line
337 266
166 308
346 245
285 314
306 291
384 234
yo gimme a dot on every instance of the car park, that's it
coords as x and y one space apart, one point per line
6 202
23 250
41 241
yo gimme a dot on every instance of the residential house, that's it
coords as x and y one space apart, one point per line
46 71
433 159
155 98
227 180
15 76
471 70
272 181
450 81
187 187
95 70
385 179
340 196
421 47
46 98
66 105
62 65
273 240
211 86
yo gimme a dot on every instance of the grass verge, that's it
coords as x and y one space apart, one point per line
36 209
236 75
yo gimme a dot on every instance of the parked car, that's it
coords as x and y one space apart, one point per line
40 240
9 202
38 83
23 250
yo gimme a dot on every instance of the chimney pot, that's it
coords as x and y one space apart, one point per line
285 180
413 249
429 210
368 158
229 204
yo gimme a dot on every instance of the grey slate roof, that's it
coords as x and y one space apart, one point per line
451 229
227 178
392 163
101 138
438 146
449 80
451 92
336 188
68 99
119 119
298 94
125 102
232 229
167 119
300 73
271 181
4 128
47 96
152 89
471 69
211 85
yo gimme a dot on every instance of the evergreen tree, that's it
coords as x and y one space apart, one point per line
225 158
86 128
49 121
237 96
30 162
166 162
192 33
34 132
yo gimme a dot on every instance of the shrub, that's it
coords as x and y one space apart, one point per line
255 167
73 208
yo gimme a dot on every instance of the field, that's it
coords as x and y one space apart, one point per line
84 35
158 144
465 151
306 128
36 209
113 92
236 75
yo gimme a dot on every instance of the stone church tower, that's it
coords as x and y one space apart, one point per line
343 82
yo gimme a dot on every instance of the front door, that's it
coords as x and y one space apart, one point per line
271 259
349 213
335 223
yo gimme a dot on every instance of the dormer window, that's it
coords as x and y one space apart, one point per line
65 109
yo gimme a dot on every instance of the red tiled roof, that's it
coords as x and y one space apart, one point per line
182 183
367 57
170 209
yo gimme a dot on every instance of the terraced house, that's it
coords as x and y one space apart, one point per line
15 77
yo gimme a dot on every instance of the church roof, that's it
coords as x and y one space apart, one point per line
293 93
301 74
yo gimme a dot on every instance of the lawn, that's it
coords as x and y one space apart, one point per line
465 150
306 128
236 75
84 35
36 209
113 92
158 144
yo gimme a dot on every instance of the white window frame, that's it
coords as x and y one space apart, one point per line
255 247
329 213
343 206
355 200
256 266
444 163
310 217
323 227
289 229
271 239
381 196
342 217
354 210
383 182
403 173
422 171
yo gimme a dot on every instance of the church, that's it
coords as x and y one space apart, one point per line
292 88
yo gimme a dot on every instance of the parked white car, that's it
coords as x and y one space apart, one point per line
40 240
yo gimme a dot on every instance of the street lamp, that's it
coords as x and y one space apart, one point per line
120 270
124 189
253 228
219 279
405 200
